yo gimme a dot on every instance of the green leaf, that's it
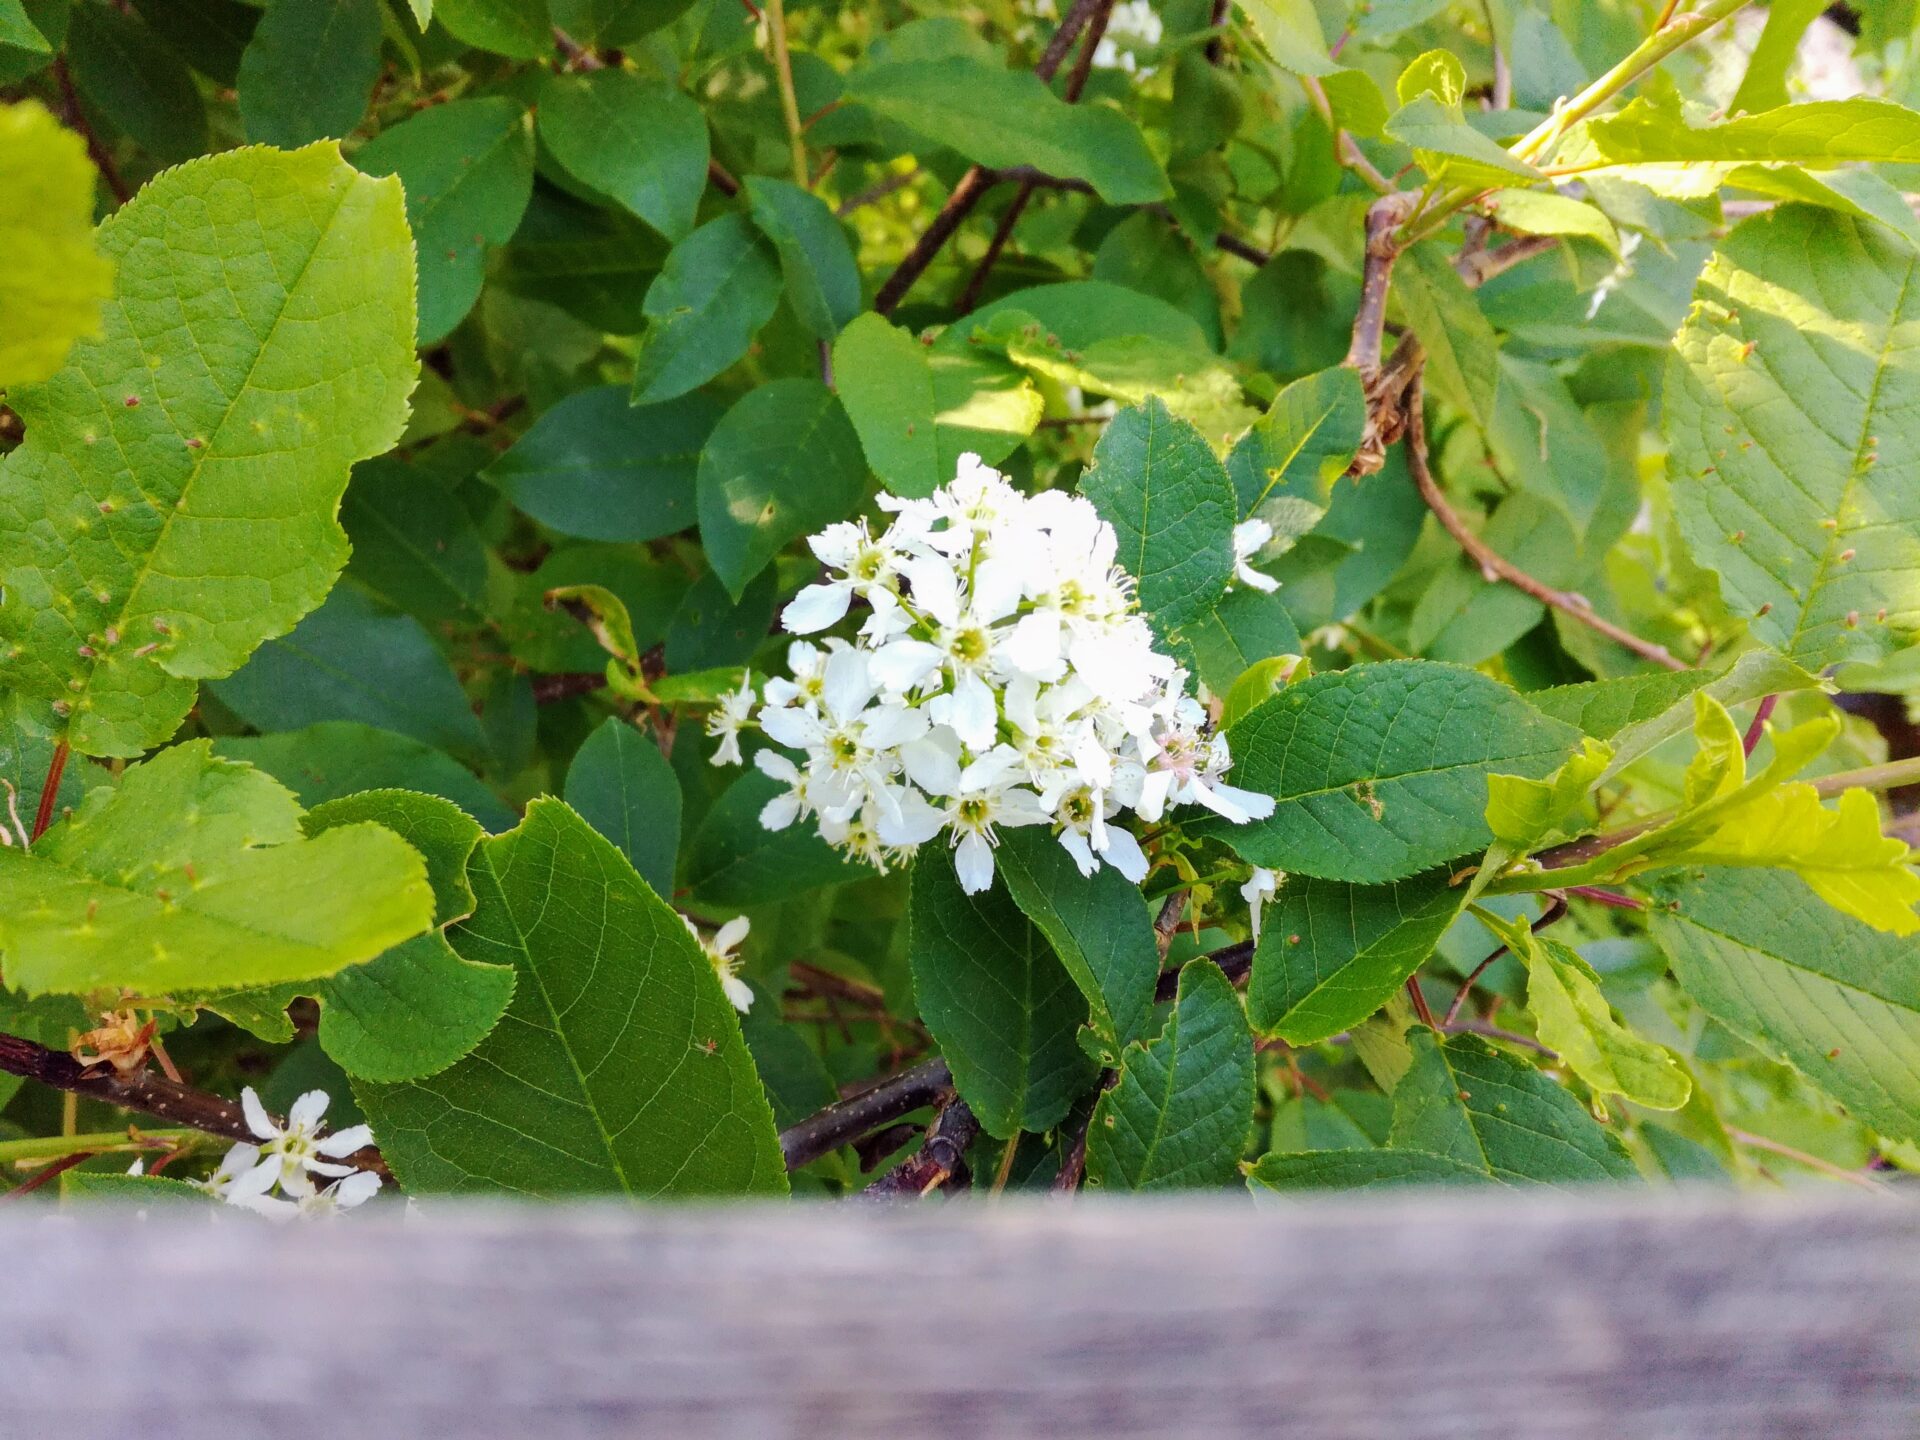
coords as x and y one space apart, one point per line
419 1007
1790 411
1447 146
516 28
1380 770
1171 504
621 784
1099 927
415 545
19 31
1765 83
601 468
1546 212
127 1191
710 631
468 169
1290 33
997 1000
351 661
274 293
1305 441
1330 954
1522 812
1180 1115
1860 193
309 69
1246 629
1836 999
1462 353
1574 1020
918 409
1001 118
782 463
733 860
823 281
1464 1101
719 286
642 142
618 1068
333 759
1357 1170
54 280
614 23
1820 132
191 875
123 69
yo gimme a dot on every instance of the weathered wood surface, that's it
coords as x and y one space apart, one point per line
1562 1318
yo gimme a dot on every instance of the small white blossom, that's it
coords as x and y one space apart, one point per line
733 711
1133 24
1250 537
288 1157
720 948
1003 677
1260 887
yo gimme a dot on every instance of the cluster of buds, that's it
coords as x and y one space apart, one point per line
1001 675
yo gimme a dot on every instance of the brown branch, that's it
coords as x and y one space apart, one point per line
940 1162
148 1093
48 1173
839 1124
876 192
567 685
1384 218
1497 567
722 179
1480 266
76 118
1235 962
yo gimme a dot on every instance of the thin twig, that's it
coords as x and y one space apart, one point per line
876 192
77 119
1762 713
789 102
839 1124
1497 567
1556 907
1812 1162
722 179
48 1173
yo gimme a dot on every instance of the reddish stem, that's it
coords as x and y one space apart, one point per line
47 1173
1606 897
50 791
1762 713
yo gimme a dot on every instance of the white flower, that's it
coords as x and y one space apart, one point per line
1250 537
719 950
1004 677
289 1157
1260 887
1134 23
733 711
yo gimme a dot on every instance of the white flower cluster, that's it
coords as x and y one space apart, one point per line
289 1158
1001 676
1131 26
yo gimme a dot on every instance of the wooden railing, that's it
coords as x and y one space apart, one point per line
1561 1317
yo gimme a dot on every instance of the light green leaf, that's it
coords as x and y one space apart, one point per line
147 545
418 1008
351 661
309 69
918 409
1099 927
618 1068
1821 132
1544 212
517 28
1438 73
1859 193
601 468
1179 1118
733 860
642 142
1789 411
1289 31
620 784
54 279
823 281
1522 812
191 875
1764 86
1574 1020
1305 441
1330 954
1447 146
718 287
1357 1170
782 463
1462 353
1002 118
1380 770
335 758
998 1002
1171 504
1464 1101
1836 999
468 169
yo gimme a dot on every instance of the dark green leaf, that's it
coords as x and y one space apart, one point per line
1304 442
719 286
414 544
823 281
733 860
519 28
641 142
622 786
123 69
336 758
1357 1170
308 70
